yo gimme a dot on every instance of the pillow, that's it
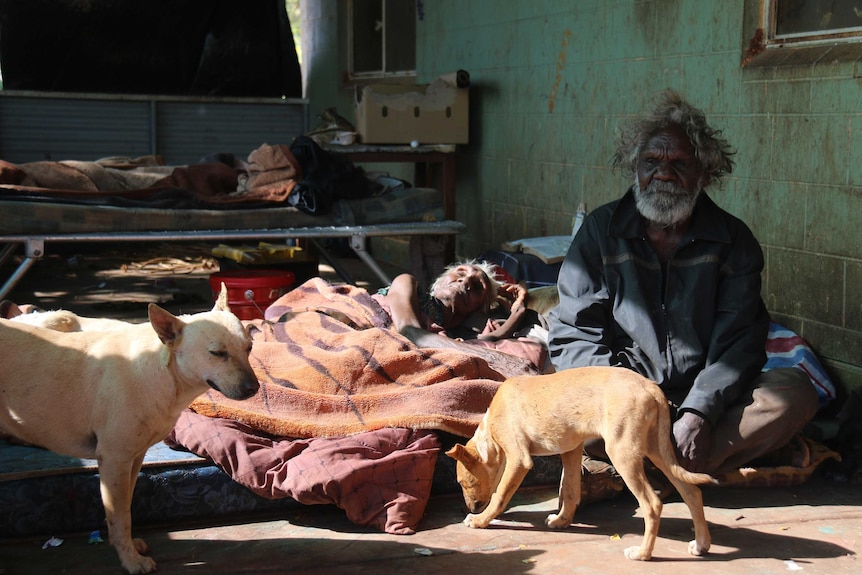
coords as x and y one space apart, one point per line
784 348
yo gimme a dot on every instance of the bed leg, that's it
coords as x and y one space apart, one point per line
34 250
357 243
332 262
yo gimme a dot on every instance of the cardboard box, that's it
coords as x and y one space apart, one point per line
436 113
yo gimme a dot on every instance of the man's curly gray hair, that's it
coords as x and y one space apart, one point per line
713 151
487 269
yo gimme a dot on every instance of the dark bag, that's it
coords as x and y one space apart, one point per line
326 177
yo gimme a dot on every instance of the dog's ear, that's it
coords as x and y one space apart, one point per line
168 327
459 453
221 303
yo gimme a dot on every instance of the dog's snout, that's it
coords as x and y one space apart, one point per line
476 506
241 390
250 387
246 388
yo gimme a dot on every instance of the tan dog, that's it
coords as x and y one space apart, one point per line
110 395
553 414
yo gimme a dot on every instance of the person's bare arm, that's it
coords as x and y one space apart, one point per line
517 310
403 302
504 363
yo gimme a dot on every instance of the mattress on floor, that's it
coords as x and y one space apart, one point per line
45 494
42 493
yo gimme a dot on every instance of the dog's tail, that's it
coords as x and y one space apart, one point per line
684 474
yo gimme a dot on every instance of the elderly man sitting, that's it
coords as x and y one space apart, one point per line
666 283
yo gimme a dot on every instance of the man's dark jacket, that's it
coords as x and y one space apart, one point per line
700 325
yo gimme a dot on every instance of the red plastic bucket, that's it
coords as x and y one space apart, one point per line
265 286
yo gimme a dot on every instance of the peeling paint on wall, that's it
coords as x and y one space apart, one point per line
756 45
561 63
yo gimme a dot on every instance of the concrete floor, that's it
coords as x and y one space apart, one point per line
813 528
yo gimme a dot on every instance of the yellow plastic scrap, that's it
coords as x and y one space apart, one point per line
274 249
236 254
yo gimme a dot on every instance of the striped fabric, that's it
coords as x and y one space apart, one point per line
784 348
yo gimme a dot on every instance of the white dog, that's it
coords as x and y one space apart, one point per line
110 394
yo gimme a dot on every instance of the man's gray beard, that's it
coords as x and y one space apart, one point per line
664 203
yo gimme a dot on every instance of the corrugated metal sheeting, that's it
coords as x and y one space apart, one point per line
39 126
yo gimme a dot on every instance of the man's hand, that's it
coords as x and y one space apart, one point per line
693 436
515 293
494 330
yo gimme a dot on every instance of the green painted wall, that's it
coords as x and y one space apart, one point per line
552 79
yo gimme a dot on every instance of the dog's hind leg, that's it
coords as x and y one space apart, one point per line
693 498
570 489
632 471
513 474
116 484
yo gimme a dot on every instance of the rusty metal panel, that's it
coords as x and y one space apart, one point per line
188 130
36 127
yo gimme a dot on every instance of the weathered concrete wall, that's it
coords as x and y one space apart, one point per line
551 81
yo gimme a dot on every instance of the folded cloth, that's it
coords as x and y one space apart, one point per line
272 173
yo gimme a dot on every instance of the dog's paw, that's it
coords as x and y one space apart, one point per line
635 554
140 545
474 521
140 564
555 521
696 549
132 559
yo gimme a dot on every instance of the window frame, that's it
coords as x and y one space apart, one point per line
805 38
405 76
763 50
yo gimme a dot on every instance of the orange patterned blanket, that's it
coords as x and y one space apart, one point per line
330 365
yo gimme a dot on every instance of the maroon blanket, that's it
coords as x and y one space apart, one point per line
381 479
